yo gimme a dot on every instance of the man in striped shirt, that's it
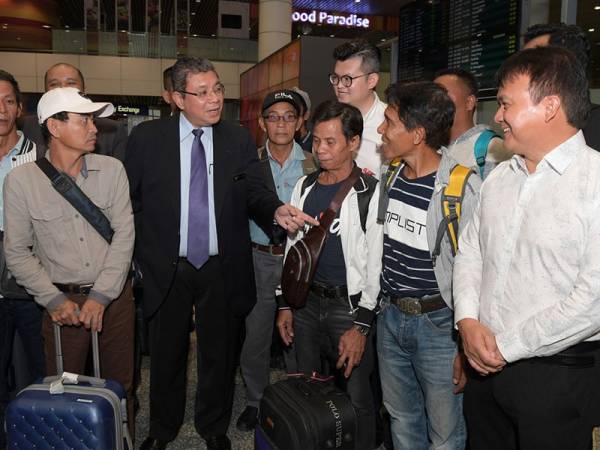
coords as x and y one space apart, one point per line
416 343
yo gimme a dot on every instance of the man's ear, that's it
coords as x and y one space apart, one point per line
178 99
471 102
372 80
261 124
354 143
418 135
551 105
53 127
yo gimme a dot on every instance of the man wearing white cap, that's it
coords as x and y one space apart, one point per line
58 256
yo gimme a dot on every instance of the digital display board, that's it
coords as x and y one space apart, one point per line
476 35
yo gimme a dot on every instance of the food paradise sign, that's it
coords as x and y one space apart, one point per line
324 17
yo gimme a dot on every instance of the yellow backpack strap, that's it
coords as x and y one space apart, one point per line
452 197
392 168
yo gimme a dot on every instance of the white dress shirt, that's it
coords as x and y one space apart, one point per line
369 154
528 265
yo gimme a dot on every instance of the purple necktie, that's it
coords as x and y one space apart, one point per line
198 234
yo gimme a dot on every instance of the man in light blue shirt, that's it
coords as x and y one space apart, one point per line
283 162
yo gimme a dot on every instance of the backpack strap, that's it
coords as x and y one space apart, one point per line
481 148
452 197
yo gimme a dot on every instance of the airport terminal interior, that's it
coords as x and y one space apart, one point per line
123 47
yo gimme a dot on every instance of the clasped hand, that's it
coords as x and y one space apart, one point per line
90 315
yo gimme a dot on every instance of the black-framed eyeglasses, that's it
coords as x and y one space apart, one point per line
345 79
218 90
274 118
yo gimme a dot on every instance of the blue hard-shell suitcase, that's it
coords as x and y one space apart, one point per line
69 412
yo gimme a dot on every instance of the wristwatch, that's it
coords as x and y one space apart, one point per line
362 329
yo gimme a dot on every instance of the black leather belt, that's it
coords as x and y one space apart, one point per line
326 291
75 289
579 355
415 306
276 250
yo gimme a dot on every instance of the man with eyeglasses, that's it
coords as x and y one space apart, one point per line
195 182
284 162
54 252
354 78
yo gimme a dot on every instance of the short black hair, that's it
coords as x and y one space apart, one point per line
551 71
168 78
189 65
560 34
5 76
467 78
350 116
369 54
63 116
423 104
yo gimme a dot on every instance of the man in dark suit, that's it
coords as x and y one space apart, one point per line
112 135
195 180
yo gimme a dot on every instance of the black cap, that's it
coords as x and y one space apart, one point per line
283 95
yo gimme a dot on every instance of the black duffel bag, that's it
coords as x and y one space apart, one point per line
302 413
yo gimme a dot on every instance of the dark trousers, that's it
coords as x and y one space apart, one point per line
25 318
116 343
318 328
217 333
533 405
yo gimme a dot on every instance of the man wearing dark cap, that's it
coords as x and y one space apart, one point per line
283 162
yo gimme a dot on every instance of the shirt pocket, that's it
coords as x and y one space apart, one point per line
49 221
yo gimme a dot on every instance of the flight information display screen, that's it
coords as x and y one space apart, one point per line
477 35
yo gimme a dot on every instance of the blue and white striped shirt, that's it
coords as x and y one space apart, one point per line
407 264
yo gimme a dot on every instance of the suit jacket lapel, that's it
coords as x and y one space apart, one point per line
222 167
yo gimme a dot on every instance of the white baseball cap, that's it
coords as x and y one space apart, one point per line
69 99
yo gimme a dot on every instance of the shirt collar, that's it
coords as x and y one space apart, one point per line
186 128
87 165
373 107
470 132
13 151
560 157
297 154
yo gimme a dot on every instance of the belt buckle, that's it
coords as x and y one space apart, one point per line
412 306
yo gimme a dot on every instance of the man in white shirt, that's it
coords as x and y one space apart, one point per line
527 273
471 145
354 78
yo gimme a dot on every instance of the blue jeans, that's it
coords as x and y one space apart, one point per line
416 355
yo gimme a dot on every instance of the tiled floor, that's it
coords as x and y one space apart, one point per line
188 438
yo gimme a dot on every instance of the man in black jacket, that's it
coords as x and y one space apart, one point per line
112 135
195 180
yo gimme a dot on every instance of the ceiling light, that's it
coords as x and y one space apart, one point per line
332 35
597 8
591 30
46 26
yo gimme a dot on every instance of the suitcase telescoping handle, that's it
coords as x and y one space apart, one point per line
59 355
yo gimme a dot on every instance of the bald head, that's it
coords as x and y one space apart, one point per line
63 75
